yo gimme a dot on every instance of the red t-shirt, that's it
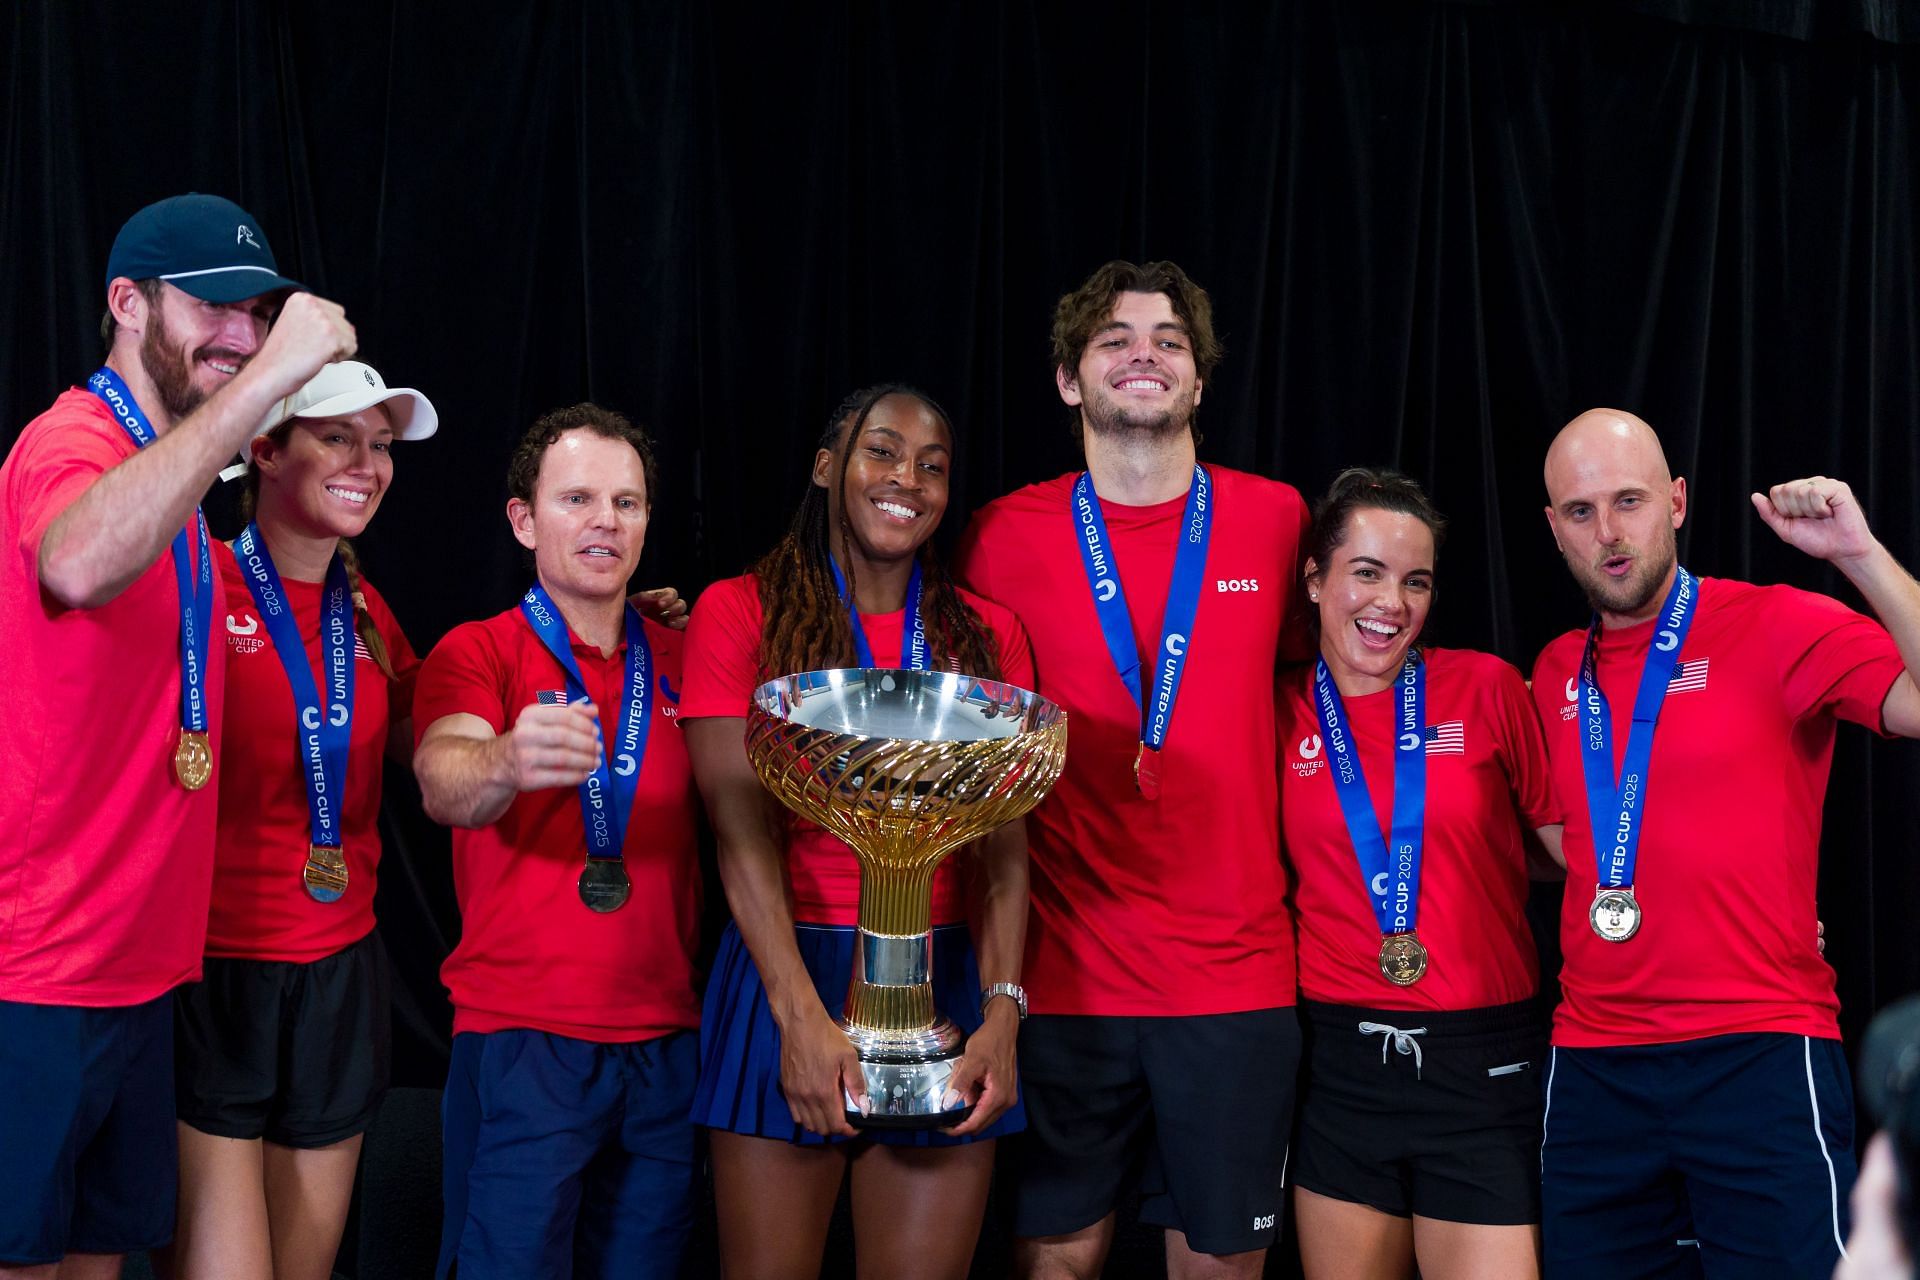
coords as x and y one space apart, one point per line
1730 849
531 954
1486 776
261 910
723 670
105 860
1177 905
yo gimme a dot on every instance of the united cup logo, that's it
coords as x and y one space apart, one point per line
1309 762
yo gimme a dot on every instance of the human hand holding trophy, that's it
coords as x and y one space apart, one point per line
904 767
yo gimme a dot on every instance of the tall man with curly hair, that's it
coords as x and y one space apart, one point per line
549 744
1159 966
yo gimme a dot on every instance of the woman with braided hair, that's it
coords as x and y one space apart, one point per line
854 582
281 1052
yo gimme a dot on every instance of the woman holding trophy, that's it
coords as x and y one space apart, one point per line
854 583
1409 778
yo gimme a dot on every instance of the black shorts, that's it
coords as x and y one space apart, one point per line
1447 1126
298 1054
1194 1112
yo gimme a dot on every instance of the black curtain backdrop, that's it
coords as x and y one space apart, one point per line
1433 232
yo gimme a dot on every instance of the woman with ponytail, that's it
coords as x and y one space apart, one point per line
281 1052
1410 779
852 580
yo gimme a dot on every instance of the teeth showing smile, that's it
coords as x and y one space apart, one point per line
348 495
220 366
897 511
1143 384
598 551
1376 627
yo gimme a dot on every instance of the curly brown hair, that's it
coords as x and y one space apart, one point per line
1079 315
524 469
806 625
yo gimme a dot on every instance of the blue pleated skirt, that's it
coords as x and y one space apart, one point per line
739 1088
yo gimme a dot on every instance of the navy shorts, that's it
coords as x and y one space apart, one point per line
740 1045
1435 1114
297 1054
567 1158
89 1159
1193 1112
1726 1156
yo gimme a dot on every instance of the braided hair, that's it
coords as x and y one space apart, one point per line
806 624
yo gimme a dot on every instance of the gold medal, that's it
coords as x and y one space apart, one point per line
1403 959
325 874
193 759
1615 914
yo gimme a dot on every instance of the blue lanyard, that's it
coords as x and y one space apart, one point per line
1617 810
1183 600
325 725
913 642
1392 877
606 797
196 591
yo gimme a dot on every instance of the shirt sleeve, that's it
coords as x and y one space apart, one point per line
463 675
1296 635
1832 660
58 463
1522 747
723 650
400 655
1015 651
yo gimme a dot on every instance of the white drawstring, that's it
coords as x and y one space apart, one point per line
1396 1038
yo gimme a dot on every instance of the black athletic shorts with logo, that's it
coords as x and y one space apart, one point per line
298 1054
1434 1114
1193 1112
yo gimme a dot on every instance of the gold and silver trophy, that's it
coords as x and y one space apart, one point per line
905 767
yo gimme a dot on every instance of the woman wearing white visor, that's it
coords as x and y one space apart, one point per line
281 1052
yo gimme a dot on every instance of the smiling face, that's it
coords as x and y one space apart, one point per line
189 349
1137 377
325 476
1373 597
895 489
587 520
1613 508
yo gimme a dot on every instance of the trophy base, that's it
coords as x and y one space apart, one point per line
907 1095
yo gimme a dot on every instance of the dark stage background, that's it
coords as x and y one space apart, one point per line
1433 232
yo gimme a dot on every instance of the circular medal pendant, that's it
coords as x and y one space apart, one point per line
1403 959
325 874
1615 914
604 885
193 759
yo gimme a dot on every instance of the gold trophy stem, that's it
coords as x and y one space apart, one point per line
896 913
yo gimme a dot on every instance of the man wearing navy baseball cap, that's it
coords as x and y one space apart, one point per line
111 741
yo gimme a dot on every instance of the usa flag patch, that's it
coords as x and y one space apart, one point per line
1688 676
551 697
360 648
1449 739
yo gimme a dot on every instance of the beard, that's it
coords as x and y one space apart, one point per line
1639 589
1106 417
170 372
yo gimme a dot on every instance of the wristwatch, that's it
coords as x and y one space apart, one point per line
1017 993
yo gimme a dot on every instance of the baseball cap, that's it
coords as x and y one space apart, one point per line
203 245
341 390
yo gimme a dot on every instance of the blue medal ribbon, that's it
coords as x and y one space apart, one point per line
1616 809
196 589
1392 876
325 725
606 797
1183 600
913 642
